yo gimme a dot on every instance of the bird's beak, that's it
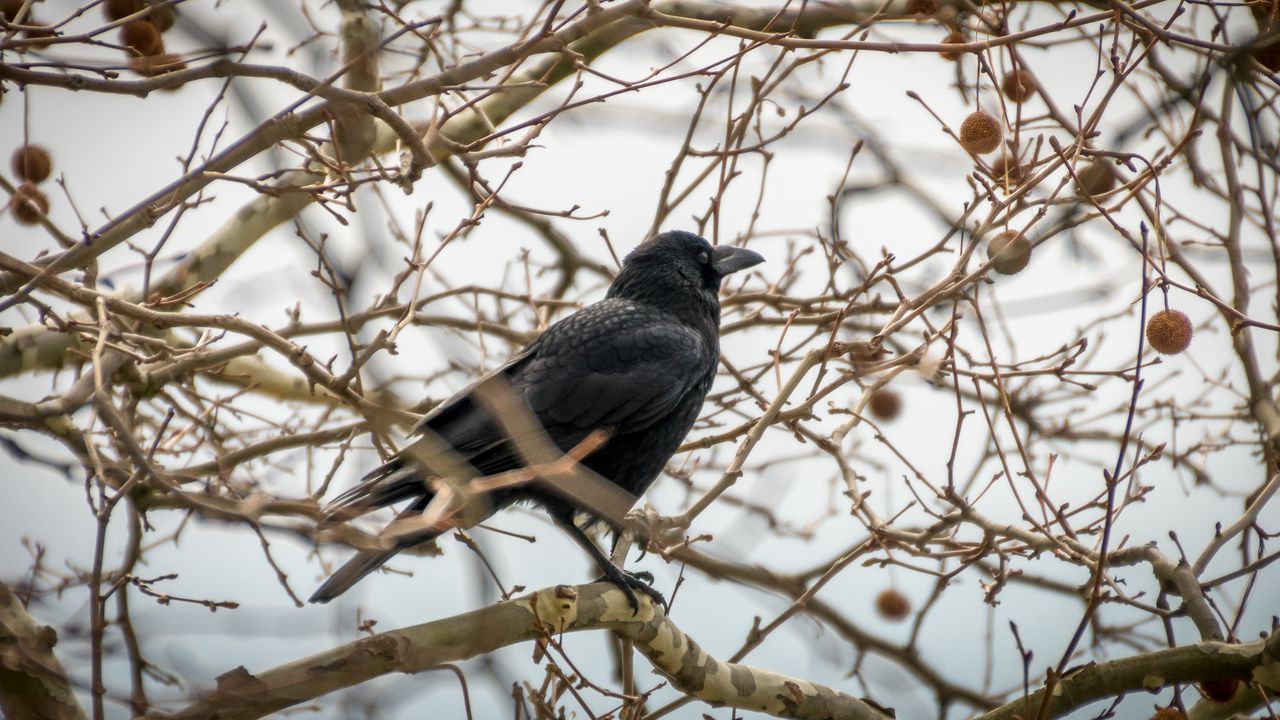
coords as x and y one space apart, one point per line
729 259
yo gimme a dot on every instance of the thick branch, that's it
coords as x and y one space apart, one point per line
242 695
32 683
1256 661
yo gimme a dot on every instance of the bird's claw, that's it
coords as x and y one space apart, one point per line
628 583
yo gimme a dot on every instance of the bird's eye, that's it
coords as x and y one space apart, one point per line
704 257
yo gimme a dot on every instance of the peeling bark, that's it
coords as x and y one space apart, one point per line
1210 660
241 695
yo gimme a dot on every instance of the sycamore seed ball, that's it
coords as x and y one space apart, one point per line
156 65
1009 252
116 9
1168 713
955 37
885 404
892 605
1097 177
163 17
9 9
28 204
1169 332
1018 86
142 37
922 7
1006 171
1221 690
39 37
31 163
980 133
1269 56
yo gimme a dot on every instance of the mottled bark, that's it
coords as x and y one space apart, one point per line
241 695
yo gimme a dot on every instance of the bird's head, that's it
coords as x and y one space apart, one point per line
667 269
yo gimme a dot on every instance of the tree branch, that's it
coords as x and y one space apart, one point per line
32 683
1256 661
241 695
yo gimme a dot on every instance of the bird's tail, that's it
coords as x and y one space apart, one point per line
386 485
391 483
364 562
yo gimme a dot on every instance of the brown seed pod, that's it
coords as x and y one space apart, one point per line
28 204
955 37
892 605
1168 713
1006 171
1009 252
922 7
31 163
1018 86
1097 177
1220 690
885 404
116 9
1269 56
1169 332
163 17
142 37
980 133
37 37
10 8
156 65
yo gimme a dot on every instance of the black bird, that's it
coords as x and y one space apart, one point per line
636 365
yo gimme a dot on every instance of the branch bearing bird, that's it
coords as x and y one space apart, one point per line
635 366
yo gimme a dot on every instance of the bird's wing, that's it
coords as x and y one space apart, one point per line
614 366
460 403
456 420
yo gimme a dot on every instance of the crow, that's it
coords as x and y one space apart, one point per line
636 366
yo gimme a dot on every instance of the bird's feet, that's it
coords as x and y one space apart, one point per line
628 583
